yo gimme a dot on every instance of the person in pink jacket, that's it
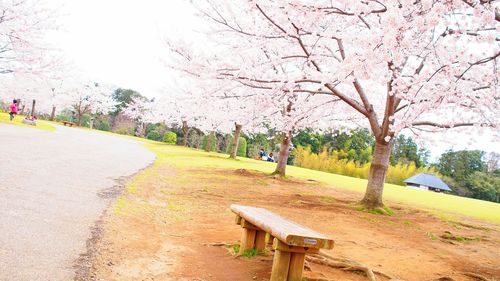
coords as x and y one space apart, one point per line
13 109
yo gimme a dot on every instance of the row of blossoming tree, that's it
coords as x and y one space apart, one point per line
31 69
52 95
418 66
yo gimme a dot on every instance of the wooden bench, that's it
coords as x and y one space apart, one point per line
290 241
67 123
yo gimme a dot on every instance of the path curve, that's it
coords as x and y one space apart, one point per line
49 195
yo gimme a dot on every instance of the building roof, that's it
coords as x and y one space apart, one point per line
428 180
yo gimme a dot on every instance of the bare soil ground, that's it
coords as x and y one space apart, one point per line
161 230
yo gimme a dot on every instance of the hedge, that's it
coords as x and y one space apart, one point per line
170 137
242 147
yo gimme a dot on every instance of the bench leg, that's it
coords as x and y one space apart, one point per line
296 267
260 240
247 240
269 239
281 263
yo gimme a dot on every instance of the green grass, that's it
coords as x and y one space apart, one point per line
450 236
235 249
431 236
379 211
40 124
327 199
250 253
407 222
443 205
119 205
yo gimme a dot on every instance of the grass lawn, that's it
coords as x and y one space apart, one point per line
40 124
443 205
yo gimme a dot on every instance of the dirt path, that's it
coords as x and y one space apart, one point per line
159 231
53 188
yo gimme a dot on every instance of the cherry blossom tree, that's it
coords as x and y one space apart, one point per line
422 65
26 56
142 111
23 25
226 102
181 107
234 105
52 92
282 109
244 103
86 98
243 112
176 106
22 87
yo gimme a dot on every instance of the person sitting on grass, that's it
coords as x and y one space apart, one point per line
264 156
13 109
270 158
31 120
261 153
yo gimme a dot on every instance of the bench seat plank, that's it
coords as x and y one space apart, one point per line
284 230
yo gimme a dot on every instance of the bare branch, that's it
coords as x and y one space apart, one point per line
270 20
449 126
353 103
481 61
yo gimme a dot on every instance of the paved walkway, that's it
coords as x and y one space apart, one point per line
51 186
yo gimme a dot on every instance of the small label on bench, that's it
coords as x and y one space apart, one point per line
310 241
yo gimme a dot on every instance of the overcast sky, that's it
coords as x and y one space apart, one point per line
121 42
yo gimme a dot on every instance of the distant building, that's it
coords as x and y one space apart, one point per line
426 181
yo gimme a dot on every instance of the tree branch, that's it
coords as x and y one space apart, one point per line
270 20
354 104
449 126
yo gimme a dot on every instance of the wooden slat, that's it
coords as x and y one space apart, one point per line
285 230
245 224
278 245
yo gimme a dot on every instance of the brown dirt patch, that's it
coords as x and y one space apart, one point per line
159 231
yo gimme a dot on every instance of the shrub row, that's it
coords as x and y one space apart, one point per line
330 162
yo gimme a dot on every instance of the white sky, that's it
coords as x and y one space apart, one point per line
120 42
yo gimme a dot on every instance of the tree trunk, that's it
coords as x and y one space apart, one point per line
139 130
185 132
33 109
376 178
79 120
143 129
236 141
208 147
283 156
53 114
